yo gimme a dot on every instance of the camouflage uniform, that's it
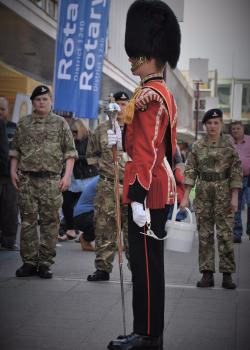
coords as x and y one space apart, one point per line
217 168
41 145
99 153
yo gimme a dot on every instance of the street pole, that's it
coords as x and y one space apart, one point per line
197 97
165 73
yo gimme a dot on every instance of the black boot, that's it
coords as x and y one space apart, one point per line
26 270
136 341
98 275
207 280
45 272
237 239
227 281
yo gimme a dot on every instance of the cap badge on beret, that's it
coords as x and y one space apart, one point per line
39 90
121 96
212 113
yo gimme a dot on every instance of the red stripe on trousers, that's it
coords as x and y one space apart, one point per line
148 279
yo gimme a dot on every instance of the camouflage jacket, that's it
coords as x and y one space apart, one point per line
42 143
99 154
216 158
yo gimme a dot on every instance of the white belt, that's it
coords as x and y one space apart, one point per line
148 230
126 157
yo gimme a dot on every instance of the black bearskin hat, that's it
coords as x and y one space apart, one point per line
152 30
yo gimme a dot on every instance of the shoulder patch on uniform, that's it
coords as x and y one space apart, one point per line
146 96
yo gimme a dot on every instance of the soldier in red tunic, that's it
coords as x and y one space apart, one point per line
152 39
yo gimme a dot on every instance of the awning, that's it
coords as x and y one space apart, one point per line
14 83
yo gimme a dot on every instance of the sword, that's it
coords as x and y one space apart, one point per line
111 111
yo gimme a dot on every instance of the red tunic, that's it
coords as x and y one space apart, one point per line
180 187
146 144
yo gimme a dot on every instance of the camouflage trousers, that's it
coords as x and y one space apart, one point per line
39 198
105 226
213 210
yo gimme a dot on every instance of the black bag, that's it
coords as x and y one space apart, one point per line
82 169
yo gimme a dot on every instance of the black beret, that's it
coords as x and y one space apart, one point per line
121 96
212 114
40 90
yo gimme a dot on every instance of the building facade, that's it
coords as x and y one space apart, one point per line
234 100
27 50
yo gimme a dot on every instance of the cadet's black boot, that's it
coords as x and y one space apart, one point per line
98 275
227 281
26 270
136 341
207 280
45 272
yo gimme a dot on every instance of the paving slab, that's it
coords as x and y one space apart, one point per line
69 313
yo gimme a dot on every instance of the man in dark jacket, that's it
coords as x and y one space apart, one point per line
8 194
4 149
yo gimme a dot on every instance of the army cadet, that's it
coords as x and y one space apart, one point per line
104 203
152 39
43 141
215 167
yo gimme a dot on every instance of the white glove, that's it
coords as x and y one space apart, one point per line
114 107
115 137
139 214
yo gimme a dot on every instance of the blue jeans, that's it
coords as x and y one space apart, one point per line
244 197
181 215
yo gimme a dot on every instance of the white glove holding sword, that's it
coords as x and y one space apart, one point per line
115 137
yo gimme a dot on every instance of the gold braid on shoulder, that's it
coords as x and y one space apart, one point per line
130 108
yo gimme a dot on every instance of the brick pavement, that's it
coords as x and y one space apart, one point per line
69 313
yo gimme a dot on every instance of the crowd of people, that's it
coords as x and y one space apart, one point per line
59 176
70 170
89 197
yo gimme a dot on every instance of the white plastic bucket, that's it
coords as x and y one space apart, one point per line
180 234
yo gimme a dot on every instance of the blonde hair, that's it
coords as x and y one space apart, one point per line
78 125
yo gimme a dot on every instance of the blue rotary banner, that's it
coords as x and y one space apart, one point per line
80 49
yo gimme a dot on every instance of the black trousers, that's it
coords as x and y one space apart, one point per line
85 223
69 201
147 268
8 212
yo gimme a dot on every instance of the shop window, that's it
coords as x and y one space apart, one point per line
224 95
48 6
40 3
51 8
246 99
203 104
